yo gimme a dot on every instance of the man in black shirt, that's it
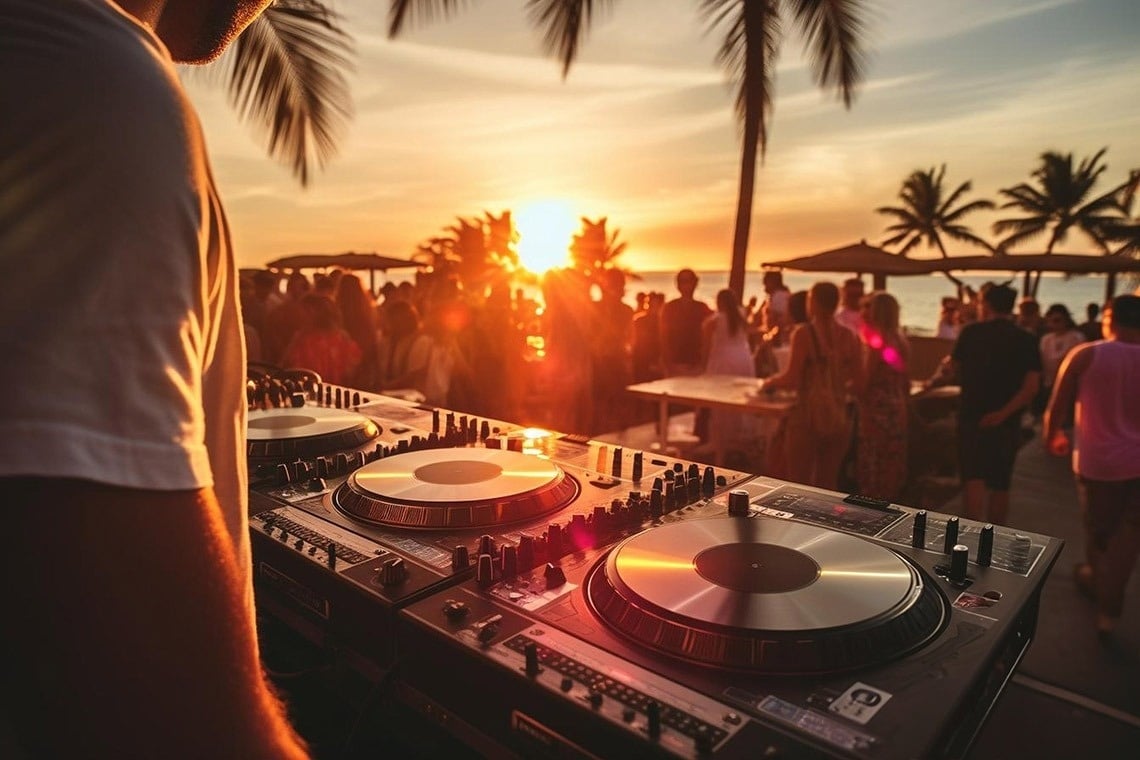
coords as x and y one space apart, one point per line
998 367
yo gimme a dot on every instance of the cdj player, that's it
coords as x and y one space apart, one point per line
546 595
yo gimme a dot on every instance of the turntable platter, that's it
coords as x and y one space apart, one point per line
307 431
448 488
768 594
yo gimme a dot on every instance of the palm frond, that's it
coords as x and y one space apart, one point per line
833 33
287 76
402 13
564 25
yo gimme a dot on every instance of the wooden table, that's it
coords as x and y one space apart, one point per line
737 392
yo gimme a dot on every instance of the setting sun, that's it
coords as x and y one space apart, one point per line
545 229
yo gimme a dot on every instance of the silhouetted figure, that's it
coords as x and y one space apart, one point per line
359 318
825 363
647 340
405 350
1090 328
321 344
283 321
1061 336
998 366
681 339
611 347
881 432
568 365
850 312
725 339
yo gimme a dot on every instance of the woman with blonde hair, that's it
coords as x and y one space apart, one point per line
824 364
880 456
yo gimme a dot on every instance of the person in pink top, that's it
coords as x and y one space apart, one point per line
1096 394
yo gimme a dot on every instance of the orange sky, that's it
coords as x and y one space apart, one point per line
466 116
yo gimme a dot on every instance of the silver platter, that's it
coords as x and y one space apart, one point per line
760 574
303 422
448 476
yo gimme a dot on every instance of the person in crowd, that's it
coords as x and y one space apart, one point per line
726 352
566 327
359 317
949 319
881 436
681 320
404 351
850 313
1029 317
322 344
776 319
646 350
825 364
1095 394
495 356
123 404
1061 336
998 366
282 322
448 322
681 349
1090 328
611 348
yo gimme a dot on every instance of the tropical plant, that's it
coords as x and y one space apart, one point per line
286 74
594 249
477 252
927 214
1057 204
753 31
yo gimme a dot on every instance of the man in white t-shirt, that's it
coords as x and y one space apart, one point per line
130 628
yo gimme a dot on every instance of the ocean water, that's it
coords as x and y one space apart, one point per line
920 297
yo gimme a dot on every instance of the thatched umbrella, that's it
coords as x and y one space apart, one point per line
858 258
373 262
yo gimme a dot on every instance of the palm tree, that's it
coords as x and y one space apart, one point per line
286 74
926 214
753 31
1058 204
594 248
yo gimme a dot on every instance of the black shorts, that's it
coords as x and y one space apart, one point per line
988 453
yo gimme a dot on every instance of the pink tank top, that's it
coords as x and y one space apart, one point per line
1108 414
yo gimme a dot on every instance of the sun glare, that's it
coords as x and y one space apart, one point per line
545 229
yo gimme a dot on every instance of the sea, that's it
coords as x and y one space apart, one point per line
920 297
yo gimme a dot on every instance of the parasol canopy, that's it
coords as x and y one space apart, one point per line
1069 263
373 262
857 258
350 260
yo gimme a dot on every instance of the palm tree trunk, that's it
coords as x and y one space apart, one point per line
950 277
744 206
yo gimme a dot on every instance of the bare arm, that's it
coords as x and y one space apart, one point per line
127 634
790 378
1059 413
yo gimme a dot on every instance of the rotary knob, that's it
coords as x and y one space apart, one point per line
738 503
959 562
951 538
554 575
985 546
393 572
918 533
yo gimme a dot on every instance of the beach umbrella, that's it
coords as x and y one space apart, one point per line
373 262
858 258
1067 263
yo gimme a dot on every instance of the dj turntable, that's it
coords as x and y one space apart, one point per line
546 595
362 503
776 621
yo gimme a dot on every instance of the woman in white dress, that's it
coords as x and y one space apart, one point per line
727 353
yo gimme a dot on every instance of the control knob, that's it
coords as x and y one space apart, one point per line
738 503
393 572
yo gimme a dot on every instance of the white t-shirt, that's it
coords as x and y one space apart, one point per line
123 359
